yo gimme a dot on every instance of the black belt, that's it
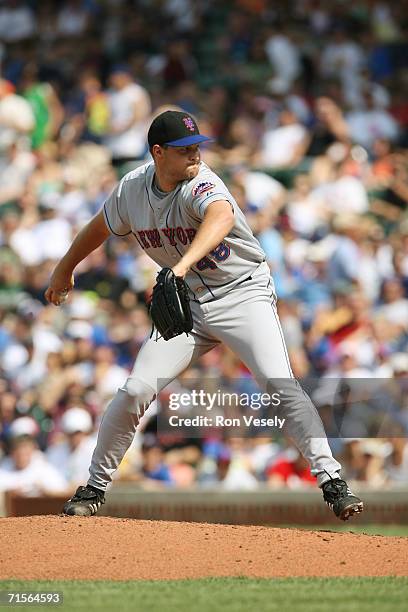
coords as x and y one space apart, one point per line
240 283
243 281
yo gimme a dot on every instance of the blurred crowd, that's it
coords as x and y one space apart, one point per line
307 104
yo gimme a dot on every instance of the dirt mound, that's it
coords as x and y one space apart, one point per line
60 547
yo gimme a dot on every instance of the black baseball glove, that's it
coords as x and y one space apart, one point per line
170 305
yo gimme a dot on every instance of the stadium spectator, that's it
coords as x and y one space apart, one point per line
343 58
26 471
369 123
47 109
16 117
284 56
72 454
230 470
17 21
396 466
395 305
291 470
284 145
154 471
261 190
129 106
72 19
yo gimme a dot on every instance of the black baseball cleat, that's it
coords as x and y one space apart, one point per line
340 499
85 502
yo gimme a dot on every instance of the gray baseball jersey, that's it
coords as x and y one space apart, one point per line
164 224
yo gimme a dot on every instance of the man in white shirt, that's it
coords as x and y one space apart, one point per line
72 455
284 57
344 59
16 117
261 190
27 472
17 21
130 109
370 123
47 238
285 145
395 308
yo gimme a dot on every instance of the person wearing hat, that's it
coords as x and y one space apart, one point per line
72 455
184 217
25 470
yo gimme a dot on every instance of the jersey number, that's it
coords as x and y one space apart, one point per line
221 253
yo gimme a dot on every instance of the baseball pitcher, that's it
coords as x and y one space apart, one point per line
184 217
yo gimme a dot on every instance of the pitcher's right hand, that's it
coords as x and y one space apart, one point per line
61 283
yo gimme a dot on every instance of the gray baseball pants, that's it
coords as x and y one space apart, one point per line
246 320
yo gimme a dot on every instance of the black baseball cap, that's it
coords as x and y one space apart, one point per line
175 129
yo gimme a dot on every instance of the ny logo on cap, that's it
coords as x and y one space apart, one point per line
188 122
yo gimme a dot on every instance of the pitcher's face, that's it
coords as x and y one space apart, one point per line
178 163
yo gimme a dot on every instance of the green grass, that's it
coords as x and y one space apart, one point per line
388 594
386 530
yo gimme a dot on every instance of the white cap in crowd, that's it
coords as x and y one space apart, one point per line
24 426
76 419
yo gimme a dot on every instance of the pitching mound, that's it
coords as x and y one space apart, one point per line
59 547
